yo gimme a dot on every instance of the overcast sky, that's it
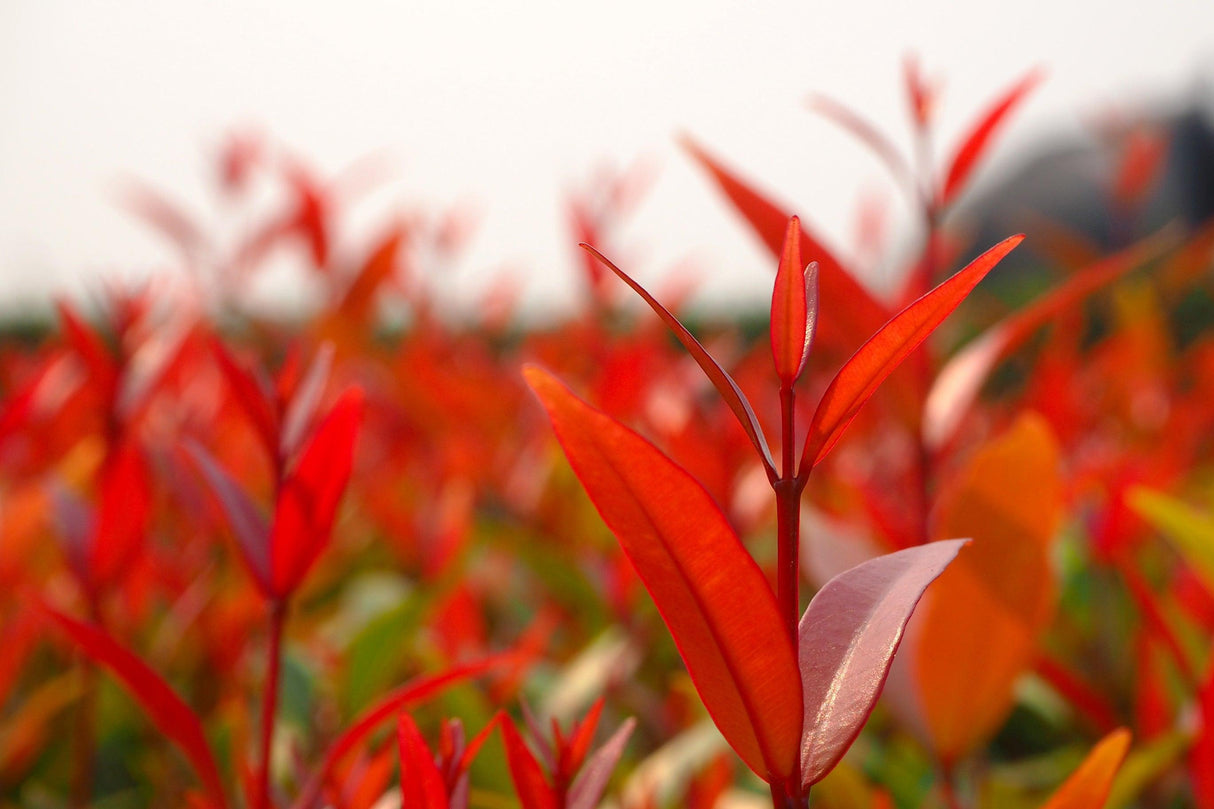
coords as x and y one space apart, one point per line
508 104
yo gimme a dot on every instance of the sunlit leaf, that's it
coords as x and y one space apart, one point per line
885 350
791 320
1088 787
713 597
421 784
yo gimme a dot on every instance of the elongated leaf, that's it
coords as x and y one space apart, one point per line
979 136
590 783
959 381
848 637
532 789
248 526
790 332
167 711
977 630
1190 531
719 377
854 312
122 514
871 137
1088 787
389 706
885 351
713 597
421 784
307 503
252 391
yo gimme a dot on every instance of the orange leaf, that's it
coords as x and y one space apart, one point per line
885 351
977 629
1088 787
713 597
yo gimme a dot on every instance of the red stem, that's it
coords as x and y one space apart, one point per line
947 789
269 705
788 521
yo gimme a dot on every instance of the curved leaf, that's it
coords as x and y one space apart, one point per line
978 139
791 325
958 382
885 351
855 312
530 785
1088 787
848 637
421 783
588 788
167 711
717 375
713 597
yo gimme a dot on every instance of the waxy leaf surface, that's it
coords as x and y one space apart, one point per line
848 637
712 595
885 351
790 326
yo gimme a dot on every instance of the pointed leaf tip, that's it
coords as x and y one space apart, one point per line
789 332
848 636
884 352
1088 786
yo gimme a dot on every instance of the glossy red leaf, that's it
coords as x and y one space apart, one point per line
248 526
958 382
885 350
848 636
980 134
587 790
714 598
530 785
167 711
720 378
421 783
855 313
792 322
308 500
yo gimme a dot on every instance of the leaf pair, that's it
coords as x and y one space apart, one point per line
427 783
576 778
280 554
790 716
792 330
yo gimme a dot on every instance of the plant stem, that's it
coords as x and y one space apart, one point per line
788 521
947 790
86 717
780 799
269 705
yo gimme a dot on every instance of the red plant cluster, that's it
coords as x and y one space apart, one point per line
315 556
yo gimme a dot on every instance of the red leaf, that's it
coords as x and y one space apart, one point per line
307 503
122 514
855 312
714 599
252 392
244 519
91 348
976 142
171 716
958 382
421 784
848 637
885 350
305 398
792 321
719 377
391 705
529 784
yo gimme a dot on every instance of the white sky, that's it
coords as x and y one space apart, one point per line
507 104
